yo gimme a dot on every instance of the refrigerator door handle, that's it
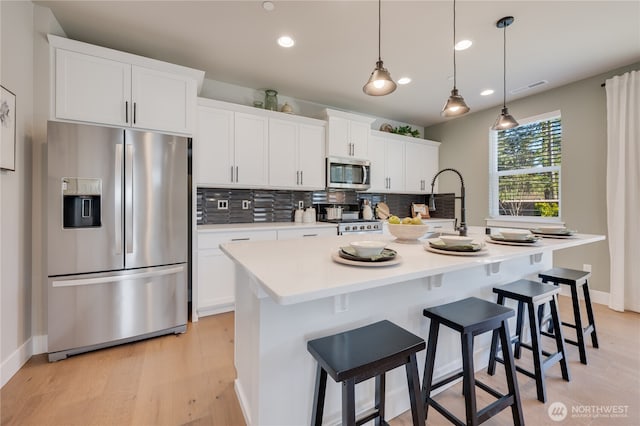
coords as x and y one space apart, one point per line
112 278
128 202
118 199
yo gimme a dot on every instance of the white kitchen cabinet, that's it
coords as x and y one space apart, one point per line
387 156
216 272
290 234
296 155
421 165
230 147
348 134
99 85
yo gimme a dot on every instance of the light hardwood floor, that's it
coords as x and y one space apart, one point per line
188 379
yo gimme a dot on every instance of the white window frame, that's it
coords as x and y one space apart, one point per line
494 174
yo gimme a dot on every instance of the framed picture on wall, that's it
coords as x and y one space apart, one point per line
8 129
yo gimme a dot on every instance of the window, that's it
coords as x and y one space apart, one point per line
525 168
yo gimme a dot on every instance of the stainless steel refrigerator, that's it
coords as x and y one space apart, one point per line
117 232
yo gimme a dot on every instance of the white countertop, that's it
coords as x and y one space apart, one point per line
295 271
264 226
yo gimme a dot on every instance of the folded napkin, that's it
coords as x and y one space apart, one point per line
462 247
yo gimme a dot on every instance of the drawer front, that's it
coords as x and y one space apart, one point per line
212 240
290 234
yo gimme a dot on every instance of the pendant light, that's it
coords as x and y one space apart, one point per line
505 120
455 105
380 82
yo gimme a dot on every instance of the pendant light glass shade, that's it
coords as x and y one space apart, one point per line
505 120
455 105
380 82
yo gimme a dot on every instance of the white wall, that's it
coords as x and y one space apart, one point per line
465 146
24 70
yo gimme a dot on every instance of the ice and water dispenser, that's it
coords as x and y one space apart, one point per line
81 202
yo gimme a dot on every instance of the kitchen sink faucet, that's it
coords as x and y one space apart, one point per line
432 201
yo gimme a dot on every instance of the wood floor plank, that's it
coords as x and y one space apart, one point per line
188 380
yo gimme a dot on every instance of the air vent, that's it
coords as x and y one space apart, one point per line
529 86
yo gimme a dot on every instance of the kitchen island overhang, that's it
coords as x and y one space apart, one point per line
288 292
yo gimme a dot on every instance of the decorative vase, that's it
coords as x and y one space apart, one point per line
271 100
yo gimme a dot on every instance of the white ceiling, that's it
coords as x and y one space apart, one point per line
336 45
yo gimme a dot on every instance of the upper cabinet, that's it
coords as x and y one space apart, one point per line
421 164
402 164
105 86
296 154
230 147
348 134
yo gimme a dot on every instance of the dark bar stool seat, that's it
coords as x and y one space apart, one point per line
575 279
360 354
534 296
471 317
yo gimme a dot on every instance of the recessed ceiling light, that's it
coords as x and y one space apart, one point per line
268 6
486 92
286 41
404 80
463 44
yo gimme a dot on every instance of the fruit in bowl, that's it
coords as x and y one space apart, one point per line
408 231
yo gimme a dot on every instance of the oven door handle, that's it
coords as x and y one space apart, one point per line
365 177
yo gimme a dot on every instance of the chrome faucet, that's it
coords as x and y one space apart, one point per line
432 202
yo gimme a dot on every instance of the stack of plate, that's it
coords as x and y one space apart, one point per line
553 232
455 247
348 256
514 237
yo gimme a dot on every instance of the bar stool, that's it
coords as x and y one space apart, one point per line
534 295
471 317
575 279
360 354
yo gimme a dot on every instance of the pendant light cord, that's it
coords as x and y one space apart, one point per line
454 44
504 66
379 29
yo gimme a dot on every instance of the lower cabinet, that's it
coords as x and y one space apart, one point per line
215 276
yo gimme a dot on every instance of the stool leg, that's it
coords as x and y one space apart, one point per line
592 323
537 353
519 325
430 361
318 397
469 384
349 402
491 369
413 381
510 371
553 305
380 388
578 322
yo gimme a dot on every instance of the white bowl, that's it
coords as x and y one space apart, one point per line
557 229
515 234
455 240
368 248
408 231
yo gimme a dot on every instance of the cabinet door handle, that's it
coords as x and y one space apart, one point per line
301 178
297 177
241 239
232 174
237 179
310 235
126 111
134 113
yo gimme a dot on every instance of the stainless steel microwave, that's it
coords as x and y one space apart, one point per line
348 173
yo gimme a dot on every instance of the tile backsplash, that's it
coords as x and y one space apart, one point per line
279 206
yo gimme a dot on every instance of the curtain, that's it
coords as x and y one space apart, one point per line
623 189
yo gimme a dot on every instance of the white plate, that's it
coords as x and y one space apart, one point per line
512 243
336 258
540 234
480 252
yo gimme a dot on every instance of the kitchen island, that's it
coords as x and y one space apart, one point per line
288 292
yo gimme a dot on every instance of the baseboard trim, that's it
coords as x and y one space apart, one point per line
597 296
15 361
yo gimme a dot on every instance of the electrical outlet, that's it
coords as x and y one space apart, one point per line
223 204
246 204
586 267
301 204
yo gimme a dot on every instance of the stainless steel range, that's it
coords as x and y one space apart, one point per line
357 226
